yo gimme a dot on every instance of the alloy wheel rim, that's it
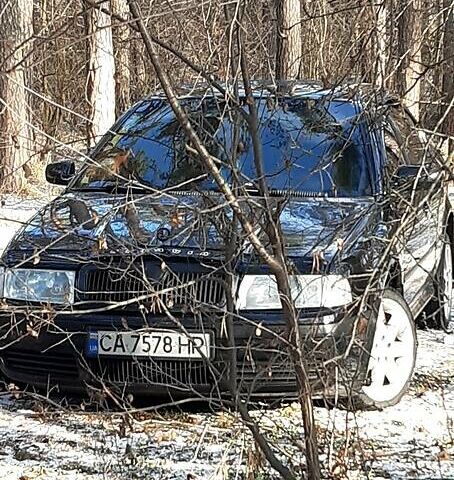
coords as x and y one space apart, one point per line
392 356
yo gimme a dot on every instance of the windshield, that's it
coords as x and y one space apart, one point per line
317 146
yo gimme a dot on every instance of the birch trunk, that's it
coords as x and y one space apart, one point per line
101 75
382 43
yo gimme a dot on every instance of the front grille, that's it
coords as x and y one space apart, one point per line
41 364
174 373
174 290
111 286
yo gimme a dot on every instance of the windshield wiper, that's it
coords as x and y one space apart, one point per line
289 193
112 188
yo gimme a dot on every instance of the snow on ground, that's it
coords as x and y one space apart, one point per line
412 440
14 213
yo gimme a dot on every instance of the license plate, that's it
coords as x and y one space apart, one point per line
156 343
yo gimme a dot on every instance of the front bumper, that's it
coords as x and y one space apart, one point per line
52 354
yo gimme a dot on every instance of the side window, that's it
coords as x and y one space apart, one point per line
408 137
394 154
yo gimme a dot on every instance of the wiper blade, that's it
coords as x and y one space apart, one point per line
111 188
300 194
289 193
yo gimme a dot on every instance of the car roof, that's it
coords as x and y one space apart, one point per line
347 91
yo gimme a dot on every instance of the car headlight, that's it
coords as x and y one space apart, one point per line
34 285
259 292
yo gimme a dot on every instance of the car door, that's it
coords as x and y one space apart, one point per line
420 209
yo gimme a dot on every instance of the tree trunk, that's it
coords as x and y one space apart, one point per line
101 75
48 116
122 57
409 48
288 39
448 74
382 43
15 29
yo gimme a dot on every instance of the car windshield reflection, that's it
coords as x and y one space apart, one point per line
308 146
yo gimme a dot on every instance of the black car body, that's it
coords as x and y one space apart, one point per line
145 241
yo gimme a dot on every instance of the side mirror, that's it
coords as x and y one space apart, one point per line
60 173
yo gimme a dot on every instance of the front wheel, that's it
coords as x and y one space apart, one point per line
392 357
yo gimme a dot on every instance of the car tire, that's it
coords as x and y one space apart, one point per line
438 310
392 357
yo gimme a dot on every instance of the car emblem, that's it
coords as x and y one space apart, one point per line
163 234
177 219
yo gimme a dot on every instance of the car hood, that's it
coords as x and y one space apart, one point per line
90 223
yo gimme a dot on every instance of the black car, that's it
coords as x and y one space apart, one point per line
138 278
